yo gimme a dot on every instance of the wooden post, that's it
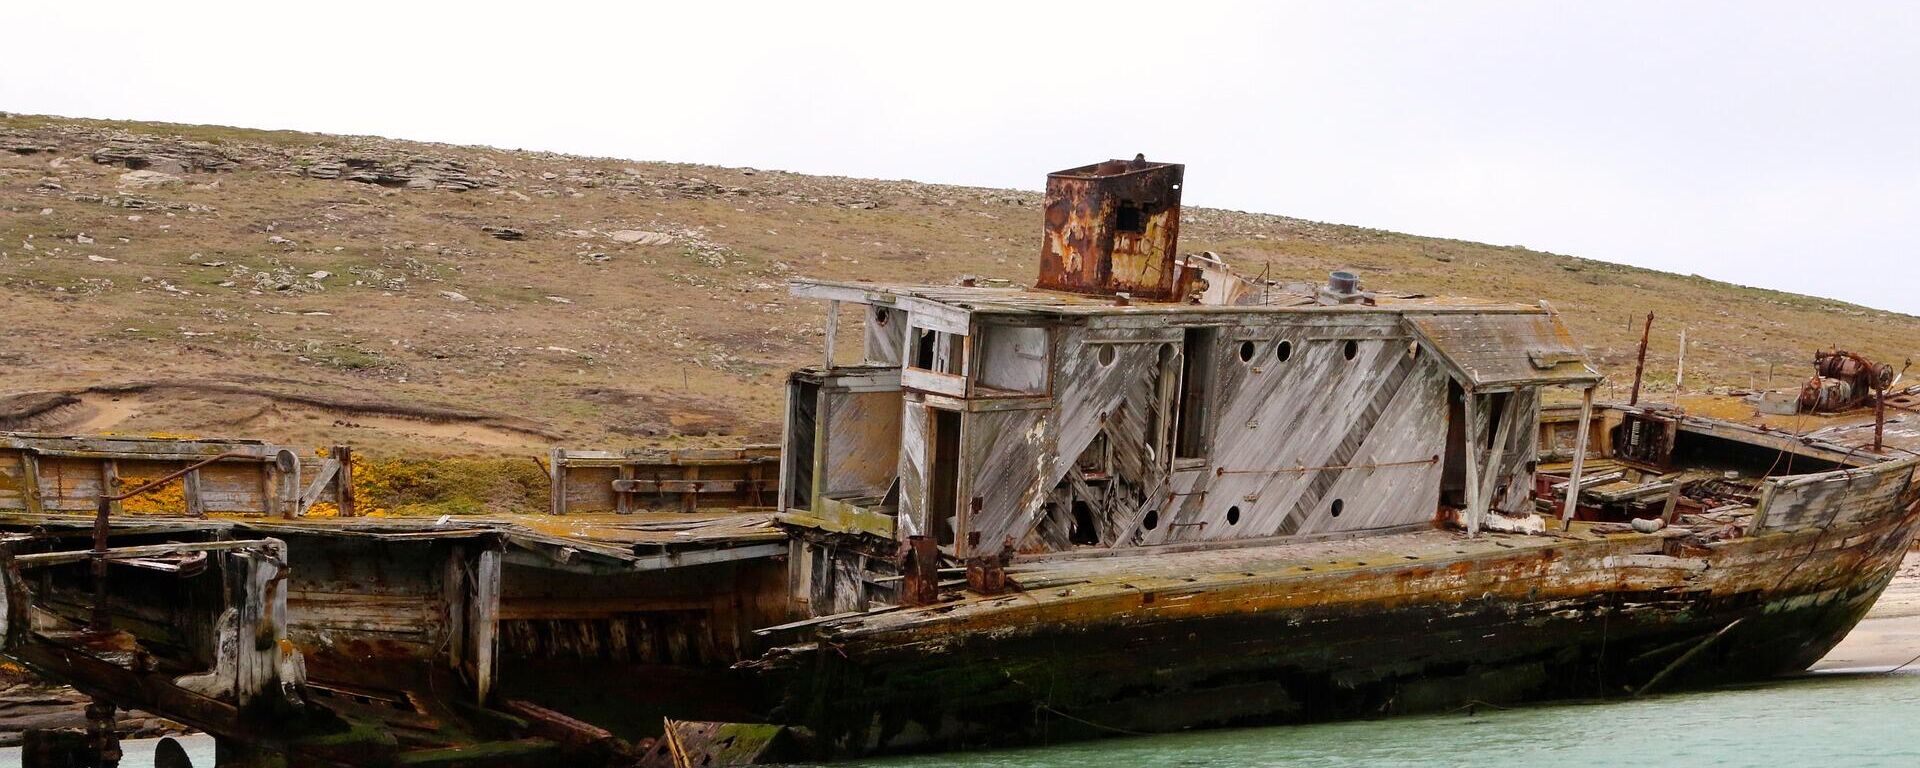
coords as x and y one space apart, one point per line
486 621
557 481
110 483
190 487
833 329
30 481
343 480
1680 367
1579 458
1640 363
1473 463
1673 501
623 498
1501 432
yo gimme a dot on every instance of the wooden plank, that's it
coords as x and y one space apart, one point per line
682 485
42 559
190 488
321 480
557 481
622 502
1579 457
343 480
110 484
486 621
30 482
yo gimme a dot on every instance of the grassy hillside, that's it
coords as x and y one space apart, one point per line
258 289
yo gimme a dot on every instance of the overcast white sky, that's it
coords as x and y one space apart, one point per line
1772 144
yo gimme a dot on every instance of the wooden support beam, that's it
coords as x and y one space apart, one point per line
1579 458
833 328
1488 479
110 484
557 481
622 501
343 480
191 489
485 617
321 480
30 482
1472 452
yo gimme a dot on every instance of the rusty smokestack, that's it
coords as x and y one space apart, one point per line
1114 228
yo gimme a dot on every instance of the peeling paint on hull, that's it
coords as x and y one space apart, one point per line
1395 646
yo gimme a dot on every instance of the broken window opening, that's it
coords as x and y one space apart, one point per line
1196 392
803 399
1130 217
1352 349
943 476
1083 532
1151 521
934 351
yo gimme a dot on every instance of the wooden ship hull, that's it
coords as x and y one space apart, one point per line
1415 622
1148 494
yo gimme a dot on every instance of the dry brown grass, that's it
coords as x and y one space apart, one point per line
667 344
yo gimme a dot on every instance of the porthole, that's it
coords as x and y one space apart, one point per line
1352 348
1246 351
1233 515
880 316
1106 355
1338 507
1283 350
1151 521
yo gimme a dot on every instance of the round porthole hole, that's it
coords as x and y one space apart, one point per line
1151 521
1233 515
1338 507
1283 351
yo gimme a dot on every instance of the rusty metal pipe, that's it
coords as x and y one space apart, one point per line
103 510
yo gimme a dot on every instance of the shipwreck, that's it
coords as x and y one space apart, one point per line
1147 493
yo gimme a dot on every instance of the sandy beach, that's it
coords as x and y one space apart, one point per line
1890 635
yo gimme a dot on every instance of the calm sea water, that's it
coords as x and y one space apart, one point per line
1834 720
1825 720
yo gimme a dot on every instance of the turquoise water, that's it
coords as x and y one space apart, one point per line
1826 720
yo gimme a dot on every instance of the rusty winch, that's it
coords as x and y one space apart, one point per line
1843 381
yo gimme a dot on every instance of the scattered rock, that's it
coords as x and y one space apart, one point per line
453 296
505 233
559 299
639 237
320 275
278 240
82 239
149 179
91 257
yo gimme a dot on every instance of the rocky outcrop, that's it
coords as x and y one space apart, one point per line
165 157
413 172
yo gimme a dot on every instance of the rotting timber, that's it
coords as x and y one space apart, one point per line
1147 494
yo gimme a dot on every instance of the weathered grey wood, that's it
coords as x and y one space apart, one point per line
343 481
557 481
1579 456
833 330
321 481
1475 419
191 489
110 483
30 482
486 621
43 559
1484 498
